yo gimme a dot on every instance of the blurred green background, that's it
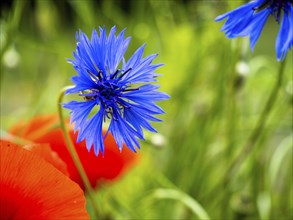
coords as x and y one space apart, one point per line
218 90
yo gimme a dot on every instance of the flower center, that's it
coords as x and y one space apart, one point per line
108 91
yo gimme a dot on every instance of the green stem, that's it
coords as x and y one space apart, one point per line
75 157
254 136
257 131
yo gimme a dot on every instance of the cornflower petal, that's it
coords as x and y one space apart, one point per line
238 21
123 132
240 11
285 35
82 111
257 25
91 130
133 117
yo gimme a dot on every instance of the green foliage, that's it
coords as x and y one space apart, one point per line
218 91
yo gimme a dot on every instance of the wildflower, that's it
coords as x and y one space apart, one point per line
250 18
42 129
117 89
31 188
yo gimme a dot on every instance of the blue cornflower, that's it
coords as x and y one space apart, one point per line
113 90
249 20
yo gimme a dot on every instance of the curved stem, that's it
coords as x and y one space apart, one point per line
253 137
74 155
257 131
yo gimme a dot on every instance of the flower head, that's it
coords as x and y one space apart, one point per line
113 90
31 188
42 130
250 18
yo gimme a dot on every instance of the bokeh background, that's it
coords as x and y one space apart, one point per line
218 90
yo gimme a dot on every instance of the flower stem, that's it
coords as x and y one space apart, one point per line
75 157
257 131
235 165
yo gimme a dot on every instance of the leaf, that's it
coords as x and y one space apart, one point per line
190 202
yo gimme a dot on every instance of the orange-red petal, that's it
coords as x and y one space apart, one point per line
44 151
31 188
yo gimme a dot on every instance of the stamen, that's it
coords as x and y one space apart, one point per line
128 90
113 76
109 112
120 105
98 77
278 15
123 74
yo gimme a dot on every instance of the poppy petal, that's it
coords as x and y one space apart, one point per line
31 188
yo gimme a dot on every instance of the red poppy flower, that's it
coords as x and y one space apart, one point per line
31 188
44 129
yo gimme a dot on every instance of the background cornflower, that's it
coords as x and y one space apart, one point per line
105 80
250 18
